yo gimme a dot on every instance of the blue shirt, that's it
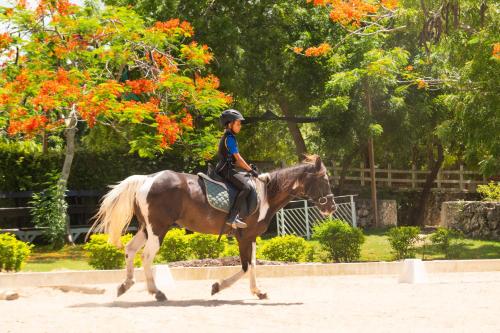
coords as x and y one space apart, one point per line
231 144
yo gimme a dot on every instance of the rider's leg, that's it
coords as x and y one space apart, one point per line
240 182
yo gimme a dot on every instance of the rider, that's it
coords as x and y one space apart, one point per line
229 159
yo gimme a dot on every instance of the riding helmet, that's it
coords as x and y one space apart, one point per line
230 115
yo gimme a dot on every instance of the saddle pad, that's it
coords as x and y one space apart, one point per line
221 196
217 195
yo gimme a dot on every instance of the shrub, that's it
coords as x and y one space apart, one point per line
490 192
175 246
285 248
103 255
231 250
13 252
206 246
342 241
403 241
447 241
49 211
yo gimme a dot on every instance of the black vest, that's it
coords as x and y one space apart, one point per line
226 159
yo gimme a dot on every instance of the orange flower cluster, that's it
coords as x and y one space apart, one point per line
168 129
73 43
351 12
187 121
496 50
62 7
166 62
318 51
298 50
28 125
409 68
421 84
54 91
390 4
141 86
210 82
174 26
193 52
5 40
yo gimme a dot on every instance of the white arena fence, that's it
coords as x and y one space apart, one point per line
302 216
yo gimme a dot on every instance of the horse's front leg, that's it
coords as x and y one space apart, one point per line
253 278
245 256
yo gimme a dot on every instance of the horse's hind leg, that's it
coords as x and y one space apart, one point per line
150 250
135 244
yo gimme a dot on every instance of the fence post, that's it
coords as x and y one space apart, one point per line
353 212
308 233
413 175
389 175
278 222
362 173
461 182
438 178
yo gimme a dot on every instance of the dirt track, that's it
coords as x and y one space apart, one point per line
449 303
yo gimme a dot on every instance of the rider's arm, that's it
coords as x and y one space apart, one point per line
241 163
232 146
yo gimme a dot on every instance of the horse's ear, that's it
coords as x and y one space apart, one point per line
318 163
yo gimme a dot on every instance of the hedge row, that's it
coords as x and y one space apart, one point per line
22 170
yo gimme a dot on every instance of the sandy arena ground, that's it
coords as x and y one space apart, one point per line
448 303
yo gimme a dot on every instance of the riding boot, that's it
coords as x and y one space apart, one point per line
233 219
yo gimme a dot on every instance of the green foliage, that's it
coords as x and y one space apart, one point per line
175 246
447 241
490 192
286 248
206 246
342 241
103 255
49 211
403 241
231 250
13 252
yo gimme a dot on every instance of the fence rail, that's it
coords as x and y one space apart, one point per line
301 217
446 180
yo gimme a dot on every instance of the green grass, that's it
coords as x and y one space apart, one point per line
44 259
375 248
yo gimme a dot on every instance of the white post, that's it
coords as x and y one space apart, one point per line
308 234
282 222
278 223
353 212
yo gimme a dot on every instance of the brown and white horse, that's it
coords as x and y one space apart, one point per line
167 197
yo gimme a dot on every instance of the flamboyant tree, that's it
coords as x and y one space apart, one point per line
63 65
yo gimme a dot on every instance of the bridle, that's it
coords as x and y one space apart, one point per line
322 199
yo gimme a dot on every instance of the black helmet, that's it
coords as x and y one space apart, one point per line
230 115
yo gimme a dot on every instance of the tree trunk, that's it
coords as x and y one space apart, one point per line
69 133
371 157
435 166
300 145
346 163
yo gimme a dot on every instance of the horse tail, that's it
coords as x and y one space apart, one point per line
117 209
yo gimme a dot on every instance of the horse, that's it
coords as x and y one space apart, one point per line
165 198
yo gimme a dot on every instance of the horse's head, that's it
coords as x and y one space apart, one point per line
315 185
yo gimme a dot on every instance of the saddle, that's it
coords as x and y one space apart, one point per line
221 194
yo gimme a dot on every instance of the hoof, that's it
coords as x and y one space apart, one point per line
262 295
160 297
215 288
121 290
